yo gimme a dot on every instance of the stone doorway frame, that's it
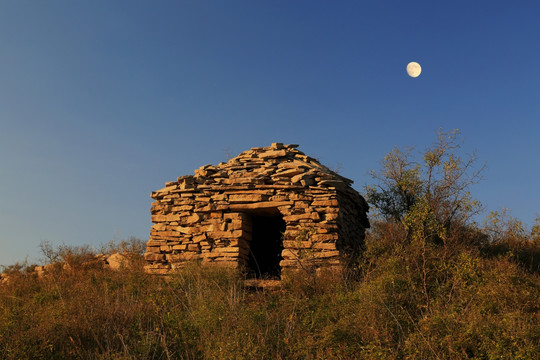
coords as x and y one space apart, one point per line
269 246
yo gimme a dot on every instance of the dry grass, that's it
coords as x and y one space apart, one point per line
405 301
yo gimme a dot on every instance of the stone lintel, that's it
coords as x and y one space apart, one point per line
259 205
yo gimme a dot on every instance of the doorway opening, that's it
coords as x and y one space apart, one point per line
266 246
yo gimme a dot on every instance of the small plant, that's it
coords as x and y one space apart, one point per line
132 246
509 237
304 252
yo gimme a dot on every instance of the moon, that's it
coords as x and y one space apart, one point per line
414 69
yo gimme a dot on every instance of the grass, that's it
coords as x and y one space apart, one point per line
406 300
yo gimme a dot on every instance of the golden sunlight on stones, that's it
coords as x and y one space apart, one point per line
210 216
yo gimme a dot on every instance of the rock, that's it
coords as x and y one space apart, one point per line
117 261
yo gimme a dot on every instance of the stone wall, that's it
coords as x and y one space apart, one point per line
208 216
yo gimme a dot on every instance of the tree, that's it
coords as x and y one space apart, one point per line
430 196
399 185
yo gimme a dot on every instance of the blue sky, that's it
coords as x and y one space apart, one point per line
101 102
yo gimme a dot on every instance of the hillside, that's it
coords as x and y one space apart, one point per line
430 283
405 300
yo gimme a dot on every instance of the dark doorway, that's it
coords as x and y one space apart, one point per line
266 246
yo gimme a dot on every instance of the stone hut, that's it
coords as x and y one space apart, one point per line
266 211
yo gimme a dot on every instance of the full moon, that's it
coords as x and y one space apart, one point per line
414 69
